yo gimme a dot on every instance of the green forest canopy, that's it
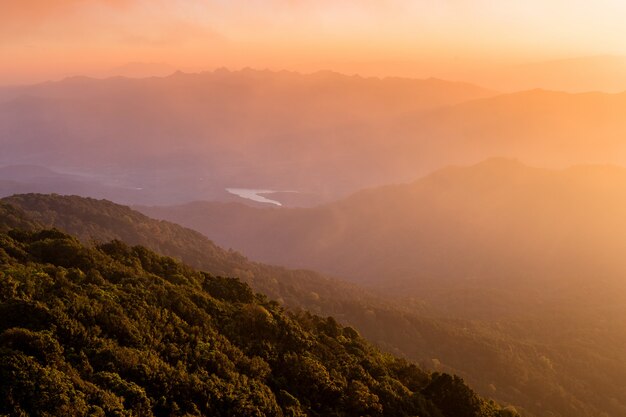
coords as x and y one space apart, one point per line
119 330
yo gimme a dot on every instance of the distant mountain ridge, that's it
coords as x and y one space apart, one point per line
186 137
484 220
20 179
536 253
197 134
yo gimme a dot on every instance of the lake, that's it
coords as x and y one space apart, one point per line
254 195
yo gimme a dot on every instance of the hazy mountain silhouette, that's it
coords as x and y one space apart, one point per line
536 254
192 135
16 179
543 127
498 220
602 73
189 136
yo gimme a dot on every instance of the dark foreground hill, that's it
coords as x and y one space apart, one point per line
100 221
563 356
119 330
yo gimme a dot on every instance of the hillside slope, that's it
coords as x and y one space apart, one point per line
496 219
513 360
118 330
533 255
101 221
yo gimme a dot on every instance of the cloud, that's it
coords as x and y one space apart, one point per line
270 32
142 23
24 11
170 34
32 18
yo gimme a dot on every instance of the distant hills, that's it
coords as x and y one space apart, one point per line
535 253
573 74
505 274
185 137
15 179
193 135
543 127
498 220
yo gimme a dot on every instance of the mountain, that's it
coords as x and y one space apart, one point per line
12 217
496 219
325 135
119 330
189 136
502 353
578 74
543 127
15 179
533 255
101 221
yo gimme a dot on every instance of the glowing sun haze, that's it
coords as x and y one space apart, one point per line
42 39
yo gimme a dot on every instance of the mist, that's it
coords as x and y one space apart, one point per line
295 208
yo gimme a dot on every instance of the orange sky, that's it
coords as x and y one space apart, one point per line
42 39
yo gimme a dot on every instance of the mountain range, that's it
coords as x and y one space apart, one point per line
499 220
183 137
501 272
189 135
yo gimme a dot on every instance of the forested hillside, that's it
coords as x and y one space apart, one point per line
119 330
12 217
534 255
533 364
101 221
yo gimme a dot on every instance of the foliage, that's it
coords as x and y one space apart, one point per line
13 217
492 358
119 330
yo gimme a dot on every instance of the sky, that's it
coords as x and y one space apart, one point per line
47 39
